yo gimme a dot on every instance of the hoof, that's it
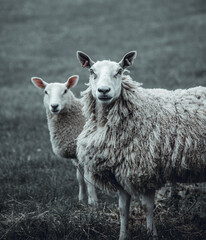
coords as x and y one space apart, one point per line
124 238
83 202
93 203
83 199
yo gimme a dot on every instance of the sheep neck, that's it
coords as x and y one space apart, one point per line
102 113
120 108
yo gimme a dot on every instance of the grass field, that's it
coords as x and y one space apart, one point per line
38 192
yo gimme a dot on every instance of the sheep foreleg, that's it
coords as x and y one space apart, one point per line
82 185
92 196
148 202
124 205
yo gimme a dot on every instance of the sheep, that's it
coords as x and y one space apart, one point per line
135 140
65 122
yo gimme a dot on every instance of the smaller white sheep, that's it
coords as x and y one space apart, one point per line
65 123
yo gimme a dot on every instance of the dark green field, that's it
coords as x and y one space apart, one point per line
38 192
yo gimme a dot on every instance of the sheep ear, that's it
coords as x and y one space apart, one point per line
128 59
72 81
84 59
38 82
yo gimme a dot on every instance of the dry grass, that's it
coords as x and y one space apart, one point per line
176 217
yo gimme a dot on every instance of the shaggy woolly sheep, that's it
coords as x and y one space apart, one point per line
135 140
65 122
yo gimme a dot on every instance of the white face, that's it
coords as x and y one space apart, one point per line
106 76
55 97
105 79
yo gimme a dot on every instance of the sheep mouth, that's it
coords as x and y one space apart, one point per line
104 99
55 111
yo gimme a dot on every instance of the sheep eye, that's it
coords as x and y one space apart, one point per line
45 92
92 73
65 91
118 73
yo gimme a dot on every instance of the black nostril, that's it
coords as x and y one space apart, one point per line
54 106
104 89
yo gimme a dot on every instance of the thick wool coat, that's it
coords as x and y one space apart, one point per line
144 138
65 127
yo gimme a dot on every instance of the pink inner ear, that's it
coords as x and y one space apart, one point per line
85 64
39 82
71 82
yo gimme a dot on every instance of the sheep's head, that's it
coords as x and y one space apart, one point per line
55 94
106 76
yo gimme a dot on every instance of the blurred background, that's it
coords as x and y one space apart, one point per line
40 38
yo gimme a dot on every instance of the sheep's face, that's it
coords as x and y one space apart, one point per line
105 81
55 94
106 76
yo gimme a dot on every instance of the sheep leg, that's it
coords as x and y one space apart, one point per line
124 205
92 196
82 185
148 202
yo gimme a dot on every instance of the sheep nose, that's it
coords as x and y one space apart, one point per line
54 106
104 90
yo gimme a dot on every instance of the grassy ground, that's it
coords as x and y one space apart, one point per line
38 193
